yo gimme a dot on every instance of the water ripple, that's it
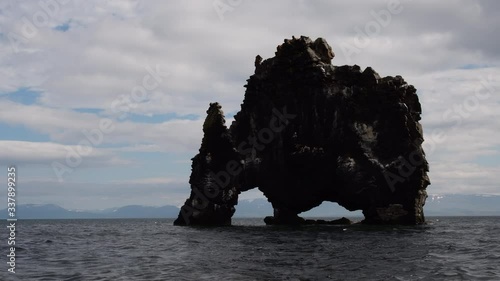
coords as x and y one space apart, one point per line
448 249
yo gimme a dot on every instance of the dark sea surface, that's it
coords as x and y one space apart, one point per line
447 248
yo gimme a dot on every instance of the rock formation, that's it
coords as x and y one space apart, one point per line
212 197
310 132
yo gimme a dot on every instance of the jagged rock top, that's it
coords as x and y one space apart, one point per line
318 50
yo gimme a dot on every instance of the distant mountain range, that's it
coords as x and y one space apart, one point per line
51 211
436 205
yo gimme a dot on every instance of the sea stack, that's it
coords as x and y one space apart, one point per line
308 132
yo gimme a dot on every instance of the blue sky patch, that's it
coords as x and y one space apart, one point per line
491 160
21 133
63 27
24 96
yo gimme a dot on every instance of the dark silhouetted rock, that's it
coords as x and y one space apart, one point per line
310 132
213 195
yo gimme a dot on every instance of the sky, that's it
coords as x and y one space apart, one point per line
102 102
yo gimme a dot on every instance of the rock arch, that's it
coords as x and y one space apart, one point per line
310 132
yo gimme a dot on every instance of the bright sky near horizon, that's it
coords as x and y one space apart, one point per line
102 102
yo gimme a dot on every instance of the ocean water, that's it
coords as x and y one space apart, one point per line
447 248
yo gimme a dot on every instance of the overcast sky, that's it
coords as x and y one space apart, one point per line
130 81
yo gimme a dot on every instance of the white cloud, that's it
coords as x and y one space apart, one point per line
467 178
68 126
88 196
460 113
45 153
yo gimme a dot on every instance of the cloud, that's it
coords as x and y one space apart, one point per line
88 196
459 113
451 177
67 126
45 153
105 55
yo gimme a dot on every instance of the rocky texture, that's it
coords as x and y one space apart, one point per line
310 132
212 198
